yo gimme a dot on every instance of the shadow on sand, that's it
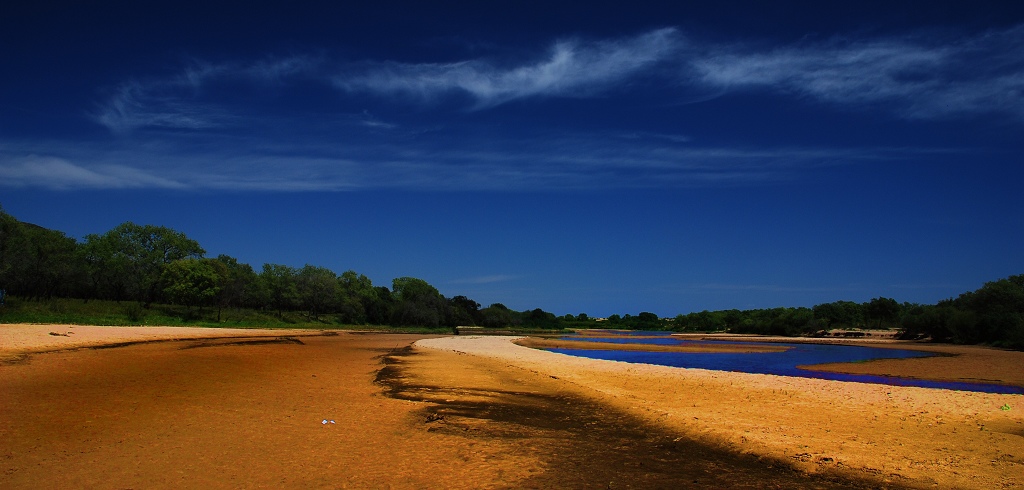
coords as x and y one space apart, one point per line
589 445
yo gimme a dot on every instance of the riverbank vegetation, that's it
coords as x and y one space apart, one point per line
145 274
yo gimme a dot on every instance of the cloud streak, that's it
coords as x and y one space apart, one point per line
136 106
539 165
60 174
915 78
208 127
571 68
180 103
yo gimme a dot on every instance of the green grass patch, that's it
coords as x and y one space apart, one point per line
129 313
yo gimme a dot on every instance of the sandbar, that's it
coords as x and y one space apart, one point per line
901 436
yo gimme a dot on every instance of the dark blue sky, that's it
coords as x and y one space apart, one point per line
606 158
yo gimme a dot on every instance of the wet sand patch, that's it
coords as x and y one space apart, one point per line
971 364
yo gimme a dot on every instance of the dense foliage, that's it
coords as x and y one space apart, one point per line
143 265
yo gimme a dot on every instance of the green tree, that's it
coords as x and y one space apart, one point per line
921 321
278 282
131 257
462 311
105 269
992 314
35 261
354 293
417 303
14 253
9 232
53 269
681 323
317 289
379 306
497 316
839 314
361 302
238 284
191 282
647 321
538 318
882 310
704 321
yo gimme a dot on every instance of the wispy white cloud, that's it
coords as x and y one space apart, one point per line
135 106
915 77
256 148
571 68
269 70
178 102
368 120
254 164
59 174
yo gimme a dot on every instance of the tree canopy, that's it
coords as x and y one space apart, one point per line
191 282
130 258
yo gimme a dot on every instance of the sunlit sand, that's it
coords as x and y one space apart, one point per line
897 434
298 409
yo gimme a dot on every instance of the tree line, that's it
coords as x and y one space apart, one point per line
153 264
993 314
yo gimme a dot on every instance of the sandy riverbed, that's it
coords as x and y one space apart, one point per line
907 436
468 411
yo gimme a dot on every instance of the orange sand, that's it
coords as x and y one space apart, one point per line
476 412
909 436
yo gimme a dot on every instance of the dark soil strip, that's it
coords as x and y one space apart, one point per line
589 445
206 341
13 359
258 341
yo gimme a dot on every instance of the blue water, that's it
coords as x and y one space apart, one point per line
627 333
665 340
778 363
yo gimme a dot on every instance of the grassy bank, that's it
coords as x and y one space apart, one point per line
129 313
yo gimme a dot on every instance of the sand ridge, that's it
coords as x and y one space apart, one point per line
903 435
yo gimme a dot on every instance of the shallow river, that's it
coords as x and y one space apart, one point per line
798 360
